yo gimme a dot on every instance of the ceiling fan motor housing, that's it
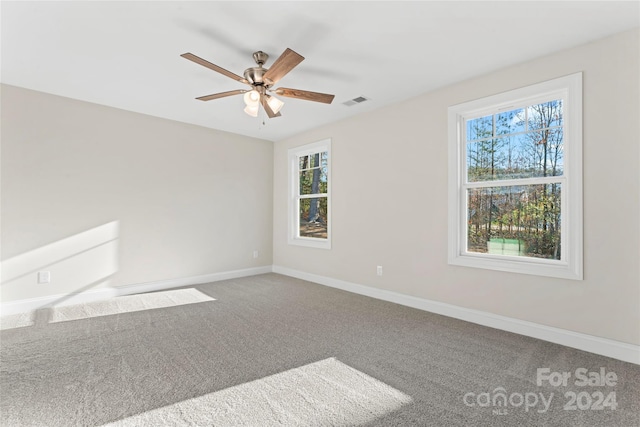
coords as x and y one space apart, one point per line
255 75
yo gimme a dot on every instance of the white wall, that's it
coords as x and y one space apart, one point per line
105 197
390 200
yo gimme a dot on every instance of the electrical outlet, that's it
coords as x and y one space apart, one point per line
44 277
256 254
379 270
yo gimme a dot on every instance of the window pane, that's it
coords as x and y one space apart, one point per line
486 160
524 155
315 160
313 217
313 181
306 177
325 156
521 220
322 185
480 128
510 122
304 162
544 151
545 115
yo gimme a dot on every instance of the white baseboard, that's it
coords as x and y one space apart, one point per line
139 288
603 346
25 305
58 300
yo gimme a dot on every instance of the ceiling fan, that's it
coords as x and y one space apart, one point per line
261 81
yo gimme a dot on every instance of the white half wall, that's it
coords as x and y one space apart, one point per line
389 200
102 198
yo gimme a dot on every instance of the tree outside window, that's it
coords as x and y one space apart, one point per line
515 180
309 188
521 220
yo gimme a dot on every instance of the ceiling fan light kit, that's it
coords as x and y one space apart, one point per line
274 103
261 80
252 110
252 97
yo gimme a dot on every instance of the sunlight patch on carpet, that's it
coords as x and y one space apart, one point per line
19 320
128 304
327 392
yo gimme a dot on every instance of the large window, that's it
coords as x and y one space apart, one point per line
309 195
515 191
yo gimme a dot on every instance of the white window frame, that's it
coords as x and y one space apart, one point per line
570 266
294 195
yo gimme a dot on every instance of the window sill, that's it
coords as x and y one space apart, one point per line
310 243
515 264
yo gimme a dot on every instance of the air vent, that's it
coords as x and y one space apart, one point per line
354 101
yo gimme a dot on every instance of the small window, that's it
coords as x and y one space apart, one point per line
515 184
309 195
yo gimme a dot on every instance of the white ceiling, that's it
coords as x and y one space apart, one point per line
127 54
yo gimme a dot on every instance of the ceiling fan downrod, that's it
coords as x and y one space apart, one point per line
255 75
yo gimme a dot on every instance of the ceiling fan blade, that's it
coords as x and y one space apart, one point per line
221 95
285 63
305 94
267 107
214 67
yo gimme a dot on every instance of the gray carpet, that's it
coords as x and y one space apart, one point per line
273 350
